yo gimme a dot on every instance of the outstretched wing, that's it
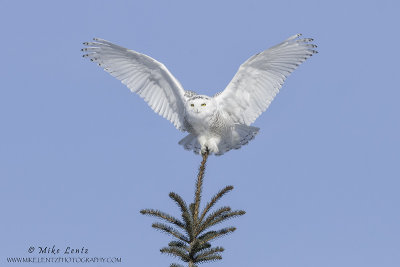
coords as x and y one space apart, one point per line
259 79
143 75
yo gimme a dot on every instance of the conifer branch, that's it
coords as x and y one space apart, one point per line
194 248
200 246
169 230
188 225
224 216
214 200
164 216
216 234
212 216
208 252
213 257
179 201
185 213
178 252
178 244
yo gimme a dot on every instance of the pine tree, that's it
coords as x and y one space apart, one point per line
192 240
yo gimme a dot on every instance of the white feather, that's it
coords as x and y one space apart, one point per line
270 68
217 124
142 75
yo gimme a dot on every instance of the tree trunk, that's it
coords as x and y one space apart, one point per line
199 185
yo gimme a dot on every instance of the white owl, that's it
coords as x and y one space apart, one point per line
215 124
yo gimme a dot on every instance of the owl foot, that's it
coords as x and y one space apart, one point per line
209 144
205 151
210 148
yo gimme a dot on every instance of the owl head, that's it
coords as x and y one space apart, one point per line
200 105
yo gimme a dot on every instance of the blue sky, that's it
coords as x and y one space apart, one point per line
81 155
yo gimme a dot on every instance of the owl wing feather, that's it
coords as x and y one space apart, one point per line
259 79
143 75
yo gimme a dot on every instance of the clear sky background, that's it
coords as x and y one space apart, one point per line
80 155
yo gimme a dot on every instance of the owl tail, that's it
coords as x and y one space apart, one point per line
245 134
241 135
190 143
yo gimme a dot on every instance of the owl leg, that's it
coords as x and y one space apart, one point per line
212 144
209 143
203 143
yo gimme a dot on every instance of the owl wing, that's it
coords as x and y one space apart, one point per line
259 79
143 75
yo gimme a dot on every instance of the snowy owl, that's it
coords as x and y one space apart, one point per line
215 124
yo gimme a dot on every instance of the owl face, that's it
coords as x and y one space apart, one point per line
200 106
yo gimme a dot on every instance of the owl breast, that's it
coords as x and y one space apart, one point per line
215 131
210 129
207 123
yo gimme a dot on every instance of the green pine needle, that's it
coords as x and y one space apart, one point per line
178 252
214 200
195 246
164 216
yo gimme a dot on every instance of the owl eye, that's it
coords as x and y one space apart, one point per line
203 105
192 105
